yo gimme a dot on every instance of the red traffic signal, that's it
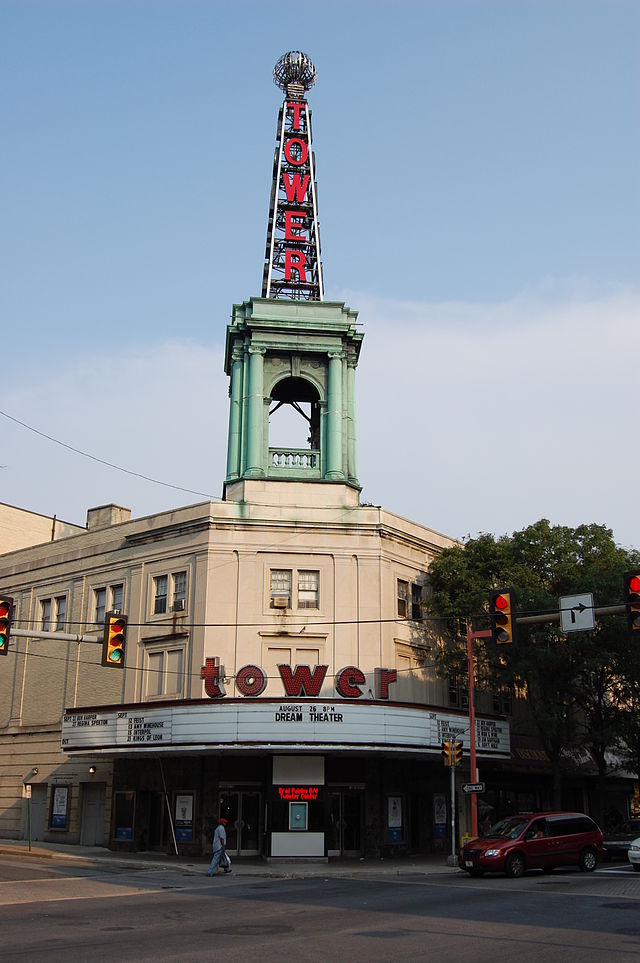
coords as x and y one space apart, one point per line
447 750
632 600
115 640
6 617
502 615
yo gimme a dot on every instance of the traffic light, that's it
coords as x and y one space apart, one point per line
503 620
115 639
457 753
447 750
6 615
632 600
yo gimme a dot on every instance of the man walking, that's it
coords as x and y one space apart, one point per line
219 846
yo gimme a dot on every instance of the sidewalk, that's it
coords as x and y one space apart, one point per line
98 855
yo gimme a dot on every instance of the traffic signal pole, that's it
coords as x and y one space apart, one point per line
57 636
489 633
483 634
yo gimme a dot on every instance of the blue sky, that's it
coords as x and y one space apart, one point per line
478 195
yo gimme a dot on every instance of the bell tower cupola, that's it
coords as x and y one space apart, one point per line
291 356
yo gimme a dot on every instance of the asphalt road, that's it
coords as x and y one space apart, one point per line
75 913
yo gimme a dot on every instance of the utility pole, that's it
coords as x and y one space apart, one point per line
483 634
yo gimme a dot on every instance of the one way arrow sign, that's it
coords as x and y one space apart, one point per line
576 613
473 787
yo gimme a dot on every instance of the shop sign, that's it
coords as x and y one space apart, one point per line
263 722
184 817
298 683
298 793
122 728
59 807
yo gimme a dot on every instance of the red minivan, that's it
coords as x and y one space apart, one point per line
534 841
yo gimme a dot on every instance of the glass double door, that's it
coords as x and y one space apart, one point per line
242 809
345 822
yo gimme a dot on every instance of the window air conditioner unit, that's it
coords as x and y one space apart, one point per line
178 605
281 602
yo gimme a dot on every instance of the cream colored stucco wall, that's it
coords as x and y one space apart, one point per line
20 528
227 549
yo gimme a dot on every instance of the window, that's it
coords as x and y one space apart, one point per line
165 672
101 605
61 612
280 589
416 602
115 595
403 598
409 599
161 593
308 590
502 702
45 615
179 591
458 692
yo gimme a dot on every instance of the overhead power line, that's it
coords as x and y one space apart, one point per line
102 461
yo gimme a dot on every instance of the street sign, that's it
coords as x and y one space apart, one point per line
473 787
576 613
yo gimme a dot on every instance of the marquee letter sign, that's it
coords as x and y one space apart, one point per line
299 682
292 259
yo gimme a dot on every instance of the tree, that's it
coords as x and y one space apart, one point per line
568 679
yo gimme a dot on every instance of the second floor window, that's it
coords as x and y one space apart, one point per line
113 596
458 692
101 604
409 595
61 612
280 588
162 584
502 702
308 590
45 615
179 591
403 599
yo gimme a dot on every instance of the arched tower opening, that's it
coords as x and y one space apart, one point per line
294 416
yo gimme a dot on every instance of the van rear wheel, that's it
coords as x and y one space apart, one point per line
588 861
515 866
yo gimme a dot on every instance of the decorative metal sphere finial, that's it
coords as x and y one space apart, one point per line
294 73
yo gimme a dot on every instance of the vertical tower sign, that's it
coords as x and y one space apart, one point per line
292 258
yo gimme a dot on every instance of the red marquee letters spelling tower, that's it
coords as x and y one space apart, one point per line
292 259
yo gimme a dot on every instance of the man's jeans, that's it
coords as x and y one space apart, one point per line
213 866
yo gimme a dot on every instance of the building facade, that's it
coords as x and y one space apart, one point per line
277 666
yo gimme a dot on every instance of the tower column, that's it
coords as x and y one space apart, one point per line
235 415
334 416
352 474
254 467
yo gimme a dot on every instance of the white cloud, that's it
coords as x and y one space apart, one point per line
487 417
159 411
448 434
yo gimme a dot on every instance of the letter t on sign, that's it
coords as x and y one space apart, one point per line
213 673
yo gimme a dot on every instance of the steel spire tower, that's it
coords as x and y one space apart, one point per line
292 267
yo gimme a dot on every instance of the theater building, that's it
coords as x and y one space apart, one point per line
277 669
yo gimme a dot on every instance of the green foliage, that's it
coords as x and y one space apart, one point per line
569 679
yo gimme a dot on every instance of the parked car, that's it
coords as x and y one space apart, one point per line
617 841
633 854
534 841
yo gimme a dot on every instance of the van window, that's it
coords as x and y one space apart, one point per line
570 826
